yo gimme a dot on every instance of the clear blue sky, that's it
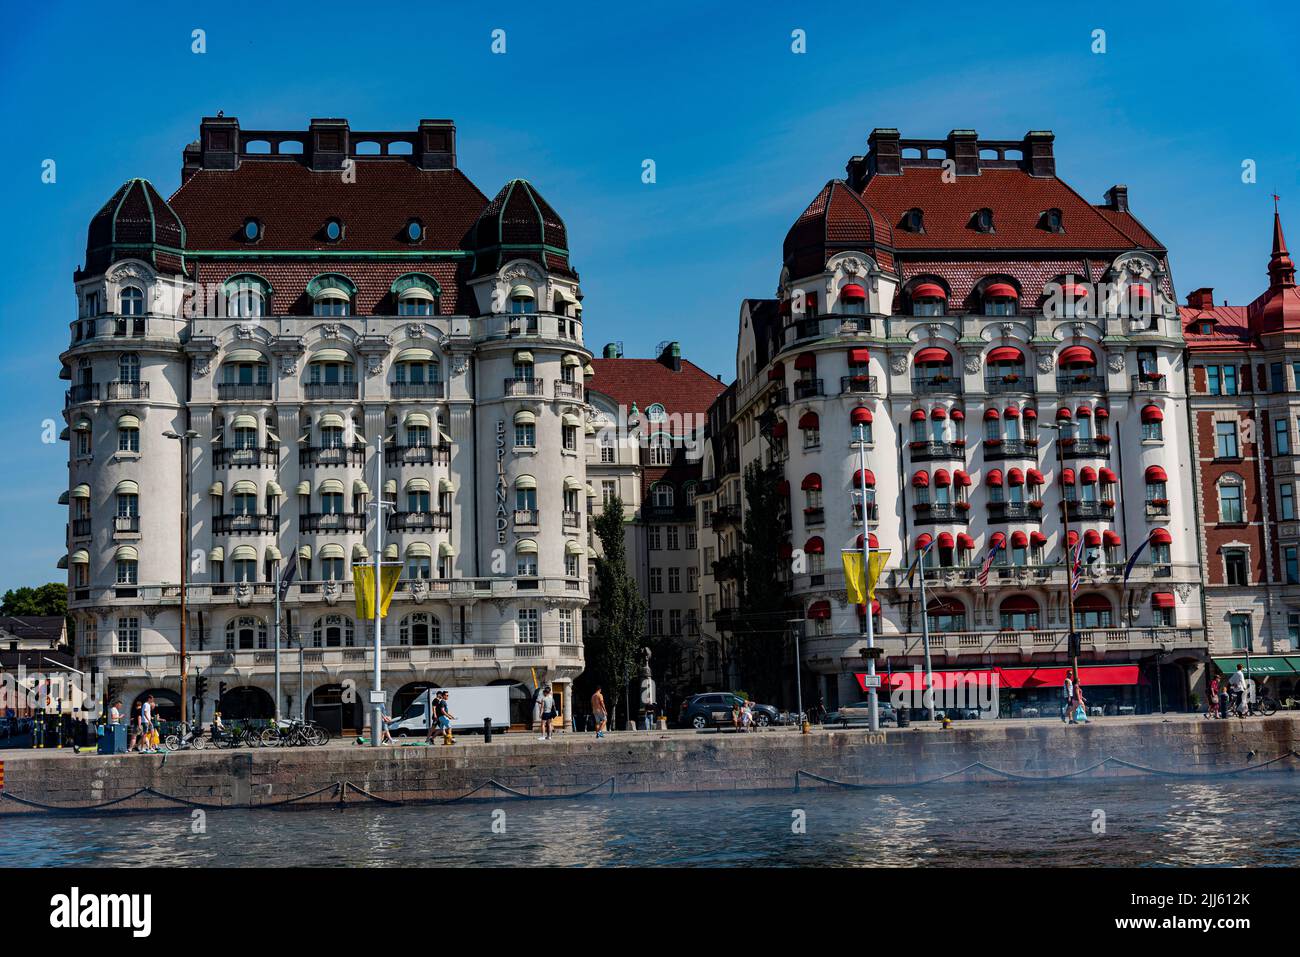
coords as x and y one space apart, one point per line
743 133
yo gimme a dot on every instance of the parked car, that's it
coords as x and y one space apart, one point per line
860 713
714 708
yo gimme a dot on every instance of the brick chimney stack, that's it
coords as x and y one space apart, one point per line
1202 298
964 151
1039 159
1117 198
672 356
328 143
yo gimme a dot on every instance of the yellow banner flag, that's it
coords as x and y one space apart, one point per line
854 581
876 566
363 587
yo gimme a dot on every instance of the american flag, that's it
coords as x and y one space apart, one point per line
983 577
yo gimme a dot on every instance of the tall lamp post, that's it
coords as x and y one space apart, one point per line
185 439
1072 641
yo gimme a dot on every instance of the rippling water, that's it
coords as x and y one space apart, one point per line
1252 821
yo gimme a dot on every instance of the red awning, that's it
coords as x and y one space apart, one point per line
1034 477
1063 414
1006 354
1111 538
1107 476
1092 537
1022 603
994 477
1088 475
1085 410
914 681
992 414
921 480
1072 538
859 357
964 541
1037 538
1015 477
1156 474
819 609
1078 356
929 290
780 430
853 293
1000 290
1094 675
923 540
1103 412
811 482
862 476
938 413
997 538
872 541
1013 412
1031 413
777 372
961 478
875 608
860 415
1067 476
918 415
806 360
1161 536
1162 599
809 420
1019 539
1152 413
942 478
945 540
958 415
814 545
933 356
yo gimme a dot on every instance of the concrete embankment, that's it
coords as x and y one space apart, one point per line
648 763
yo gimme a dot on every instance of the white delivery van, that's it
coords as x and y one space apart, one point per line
469 705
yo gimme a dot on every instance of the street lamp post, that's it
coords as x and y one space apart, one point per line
796 626
1073 644
873 698
185 439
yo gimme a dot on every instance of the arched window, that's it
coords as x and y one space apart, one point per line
416 294
523 301
1018 613
331 295
128 367
928 299
245 633
1000 299
131 301
946 614
1231 499
420 628
332 631
1092 611
1157 485
245 300
661 493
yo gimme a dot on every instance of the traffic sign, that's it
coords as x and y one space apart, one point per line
871 681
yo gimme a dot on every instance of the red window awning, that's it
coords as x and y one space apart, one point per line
811 482
1111 538
1152 413
1018 603
992 414
780 430
1088 475
1015 477
942 478
1078 356
1161 536
965 542
921 480
1000 290
875 608
853 293
777 372
1107 476
923 540
938 413
872 541
1156 474
918 415
933 356
1006 354
1162 599
1034 477
1037 538
1103 412
1019 540
1067 476
806 360
994 477
961 478
929 290
864 477
1072 538
958 415
809 420
814 545
1092 537
1084 410
945 540
860 415
1031 413
1013 412
1092 675
859 356
819 609
1063 414
997 538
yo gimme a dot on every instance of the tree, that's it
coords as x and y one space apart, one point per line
612 648
762 630
44 601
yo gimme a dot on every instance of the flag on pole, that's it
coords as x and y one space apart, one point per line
1132 559
860 586
290 572
919 560
363 588
983 577
1076 560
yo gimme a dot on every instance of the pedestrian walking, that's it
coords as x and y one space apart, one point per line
133 736
148 716
598 712
746 717
1067 698
1212 702
385 719
1237 684
548 713
444 713
1080 706
115 713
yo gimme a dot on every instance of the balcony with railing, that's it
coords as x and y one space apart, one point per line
527 517
807 388
327 456
1157 508
1016 511
328 522
1080 511
81 528
396 455
126 389
930 451
223 457
1150 382
82 392
419 521
245 524
1097 447
1081 383
126 526
858 385
243 391
524 387
941 384
726 515
330 390
572 519
433 389
933 512
568 390
1010 384
999 449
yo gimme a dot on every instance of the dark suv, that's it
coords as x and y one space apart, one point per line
714 708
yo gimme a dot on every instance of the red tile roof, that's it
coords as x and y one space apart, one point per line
683 394
373 281
836 220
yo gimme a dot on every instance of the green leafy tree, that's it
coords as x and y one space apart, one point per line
762 629
612 649
49 600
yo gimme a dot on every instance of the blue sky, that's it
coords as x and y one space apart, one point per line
743 132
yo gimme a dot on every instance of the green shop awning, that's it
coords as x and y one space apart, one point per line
1282 665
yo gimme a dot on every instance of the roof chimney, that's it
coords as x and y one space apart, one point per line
671 356
437 145
328 143
1039 160
886 155
611 351
219 142
1117 198
964 151
1202 298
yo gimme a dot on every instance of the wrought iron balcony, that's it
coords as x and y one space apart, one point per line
82 392
806 388
331 455
931 512
1081 383
857 384
930 451
81 528
726 515
526 516
417 455
419 521
245 524
245 458
1016 383
572 519
936 385
1090 510
434 389
995 449
1015 511
243 392
128 389
568 390
332 522
1150 382
1157 508
1094 448
330 390
535 387
126 524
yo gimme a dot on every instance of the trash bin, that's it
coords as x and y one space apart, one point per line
112 739
904 717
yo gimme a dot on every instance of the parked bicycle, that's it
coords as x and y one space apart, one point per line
1264 705
294 734
186 737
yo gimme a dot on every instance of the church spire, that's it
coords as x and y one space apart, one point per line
1281 269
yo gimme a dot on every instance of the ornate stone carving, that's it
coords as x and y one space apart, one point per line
415 330
202 366
1115 363
1046 362
246 331
898 365
331 592
374 365
288 366
933 328
852 266
521 271
243 594
1077 329
459 363
1184 591
125 271
418 589
330 330
973 363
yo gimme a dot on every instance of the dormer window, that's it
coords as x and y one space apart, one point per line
414 231
1050 220
913 221
131 301
853 299
982 220
523 301
333 230
1000 299
928 299
331 295
252 230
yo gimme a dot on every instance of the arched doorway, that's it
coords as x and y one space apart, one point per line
326 705
407 693
167 704
521 701
246 702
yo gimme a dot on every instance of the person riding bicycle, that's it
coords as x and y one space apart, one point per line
218 728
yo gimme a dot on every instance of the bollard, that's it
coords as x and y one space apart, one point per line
487 730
